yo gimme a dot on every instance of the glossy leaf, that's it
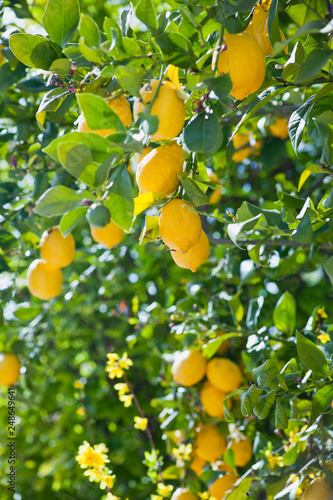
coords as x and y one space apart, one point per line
60 20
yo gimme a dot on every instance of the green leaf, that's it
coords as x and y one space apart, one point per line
289 368
196 196
241 490
149 123
249 399
202 132
297 123
311 355
284 314
227 413
98 146
303 233
146 12
220 85
120 202
296 58
98 114
281 417
51 102
35 51
177 49
89 30
313 64
98 216
151 230
328 267
290 457
60 199
266 402
77 160
321 402
212 346
235 230
60 20
130 78
265 373
69 220
61 66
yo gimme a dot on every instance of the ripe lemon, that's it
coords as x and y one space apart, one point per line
243 451
197 465
209 444
56 249
183 494
139 157
244 60
168 107
224 374
44 279
180 226
121 106
318 490
189 368
222 466
212 400
195 256
223 484
109 235
158 171
280 128
9 369
241 142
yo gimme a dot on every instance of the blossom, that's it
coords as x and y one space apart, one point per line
324 338
140 423
126 399
164 489
125 362
183 452
322 313
110 496
107 480
95 475
80 411
156 497
273 461
94 457
78 385
115 366
121 388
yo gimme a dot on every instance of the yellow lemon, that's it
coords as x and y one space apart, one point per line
158 171
318 490
197 465
139 157
224 374
168 107
9 369
180 226
183 494
56 249
244 60
121 106
243 451
189 368
219 488
209 444
212 400
44 279
195 256
222 466
280 128
241 143
109 235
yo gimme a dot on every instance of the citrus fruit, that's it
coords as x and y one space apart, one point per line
318 490
57 249
195 256
109 235
212 400
139 157
224 374
183 494
241 143
158 171
223 466
244 60
197 465
243 451
223 484
9 369
168 107
120 105
189 368
280 128
209 444
98 216
180 226
44 279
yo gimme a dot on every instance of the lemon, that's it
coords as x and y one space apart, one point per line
222 466
244 60
197 465
57 249
241 142
183 494
180 226
44 279
189 368
243 450
280 128
195 256
224 374
318 490
223 484
212 400
121 106
168 107
9 369
209 444
158 171
109 235
139 157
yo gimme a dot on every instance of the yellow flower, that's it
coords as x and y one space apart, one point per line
164 489
114 372
324 338
110 496
322 313
95 475
121 388
126 399
183 452
273 461
156 497
206 496
107 480
78 385
94 457
140 423
115 366
80 411
113 358
125 362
